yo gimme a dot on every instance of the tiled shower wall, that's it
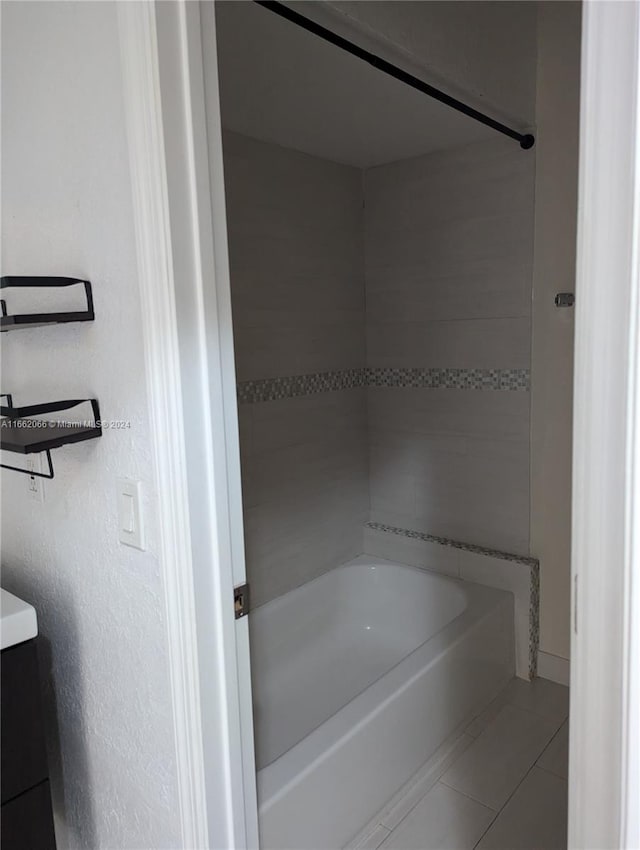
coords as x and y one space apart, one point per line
422 422
297 282
448 248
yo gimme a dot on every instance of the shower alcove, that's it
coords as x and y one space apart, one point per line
381 252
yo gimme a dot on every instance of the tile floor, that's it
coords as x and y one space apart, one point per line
503 786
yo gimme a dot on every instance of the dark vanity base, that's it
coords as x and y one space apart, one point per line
26 821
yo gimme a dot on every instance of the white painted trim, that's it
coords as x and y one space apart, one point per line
554 668
630 826
606 562
218 314
191 387
141 87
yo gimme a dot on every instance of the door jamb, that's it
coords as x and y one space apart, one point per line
191 395
604 786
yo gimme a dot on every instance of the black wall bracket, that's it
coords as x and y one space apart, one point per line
37 320
21 434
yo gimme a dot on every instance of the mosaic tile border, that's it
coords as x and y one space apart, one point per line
274 389
532 563
295 386
534 619
450 379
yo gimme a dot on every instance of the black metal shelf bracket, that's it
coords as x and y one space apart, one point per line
526 140
15 436
32 473
31 320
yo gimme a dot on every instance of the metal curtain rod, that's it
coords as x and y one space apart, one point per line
526 140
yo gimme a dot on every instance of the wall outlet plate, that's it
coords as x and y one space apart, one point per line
35 486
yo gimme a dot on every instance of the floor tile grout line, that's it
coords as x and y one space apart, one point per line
506 802
367 837
535 764
548 745
469 797
559 730
550 772
437 779
520 708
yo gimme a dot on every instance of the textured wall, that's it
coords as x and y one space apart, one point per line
552 357
297 283
66 210
448 245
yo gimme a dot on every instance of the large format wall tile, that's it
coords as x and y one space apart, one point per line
450 235
448 259
296 257
411 412
453 463
451 343
297 285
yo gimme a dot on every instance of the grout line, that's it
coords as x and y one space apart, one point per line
537 714
383 321
438 771
506 803
469 796
551 772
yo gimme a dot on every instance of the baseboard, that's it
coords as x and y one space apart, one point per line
554 668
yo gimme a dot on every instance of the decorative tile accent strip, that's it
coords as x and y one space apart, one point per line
450 379
456 544
534 619
273 389
532 563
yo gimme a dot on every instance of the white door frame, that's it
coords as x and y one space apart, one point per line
604 791
176 173
181 244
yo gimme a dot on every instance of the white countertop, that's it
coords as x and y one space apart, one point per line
18 621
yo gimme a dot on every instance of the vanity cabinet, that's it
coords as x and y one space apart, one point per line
26 819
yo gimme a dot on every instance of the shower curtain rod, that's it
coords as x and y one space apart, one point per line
526 140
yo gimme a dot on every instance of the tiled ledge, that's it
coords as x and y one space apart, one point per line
294 386
519 574
456 544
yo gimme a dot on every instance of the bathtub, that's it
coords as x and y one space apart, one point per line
358 678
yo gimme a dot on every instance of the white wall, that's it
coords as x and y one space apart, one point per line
552 344
66 210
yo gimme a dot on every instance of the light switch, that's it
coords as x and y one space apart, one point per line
130 526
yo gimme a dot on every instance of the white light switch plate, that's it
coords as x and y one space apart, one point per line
130 525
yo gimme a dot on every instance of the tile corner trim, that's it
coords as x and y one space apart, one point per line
527 560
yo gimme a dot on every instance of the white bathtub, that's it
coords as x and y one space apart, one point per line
358 677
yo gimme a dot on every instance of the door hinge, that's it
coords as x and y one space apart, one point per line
241 600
